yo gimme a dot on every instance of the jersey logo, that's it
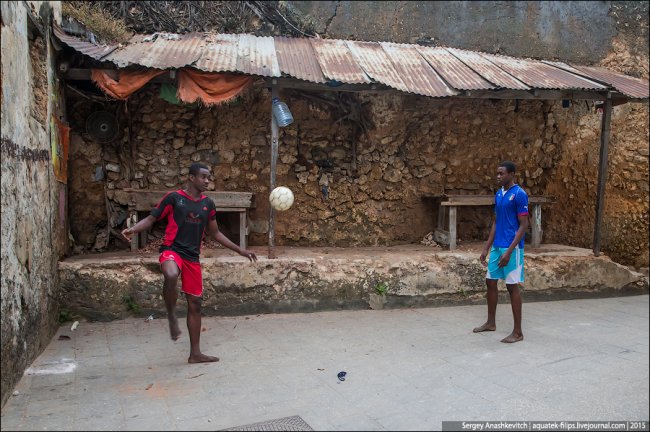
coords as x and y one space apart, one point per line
205 209
193 218
181 201
511 198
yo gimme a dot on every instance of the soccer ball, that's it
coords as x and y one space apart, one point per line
281 198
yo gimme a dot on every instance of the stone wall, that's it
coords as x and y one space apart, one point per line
33 233
576 31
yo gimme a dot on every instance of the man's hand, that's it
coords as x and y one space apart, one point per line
248 254
483 257
505 259
127 233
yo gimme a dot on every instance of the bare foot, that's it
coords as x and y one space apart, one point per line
201 358
513 337
485 327
174 330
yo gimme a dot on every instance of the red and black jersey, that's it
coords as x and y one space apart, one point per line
187 219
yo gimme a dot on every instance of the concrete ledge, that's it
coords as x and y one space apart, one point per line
314 279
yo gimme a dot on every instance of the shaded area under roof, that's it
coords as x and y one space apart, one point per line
434 72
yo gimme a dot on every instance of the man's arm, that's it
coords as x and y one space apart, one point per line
143 225
523 226
214 232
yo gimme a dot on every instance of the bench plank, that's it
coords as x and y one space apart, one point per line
479 200
145 200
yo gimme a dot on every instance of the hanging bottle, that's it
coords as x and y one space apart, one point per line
281 113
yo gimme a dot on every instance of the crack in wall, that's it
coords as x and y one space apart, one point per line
329 21
398 9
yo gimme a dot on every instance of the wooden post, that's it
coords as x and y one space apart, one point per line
243 229
274 160
602 171
452 227
536 228
441 216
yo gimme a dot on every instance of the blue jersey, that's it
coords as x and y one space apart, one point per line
508 205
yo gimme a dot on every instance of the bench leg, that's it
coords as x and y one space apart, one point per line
441 217
536 228
452 227
242 230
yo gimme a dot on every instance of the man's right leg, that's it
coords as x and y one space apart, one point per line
492 299
170 294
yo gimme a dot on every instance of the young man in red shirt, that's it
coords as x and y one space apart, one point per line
190 216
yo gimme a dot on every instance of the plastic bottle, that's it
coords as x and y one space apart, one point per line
281 113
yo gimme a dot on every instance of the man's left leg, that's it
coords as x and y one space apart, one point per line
194 329
515 301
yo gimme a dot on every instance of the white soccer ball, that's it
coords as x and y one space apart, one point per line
281 198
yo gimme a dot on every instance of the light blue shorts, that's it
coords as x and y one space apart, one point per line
513 273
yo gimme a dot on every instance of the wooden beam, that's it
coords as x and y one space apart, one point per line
602 172
292 83
274 161
533 95
77 74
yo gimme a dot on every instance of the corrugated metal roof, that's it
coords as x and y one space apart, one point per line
419 77
435 72
488 70
219 54
454 71
161 51
337 63
375 63
297 59
541 75
95 51
633 87
256 56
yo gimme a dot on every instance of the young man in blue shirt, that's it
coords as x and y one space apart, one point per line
506 249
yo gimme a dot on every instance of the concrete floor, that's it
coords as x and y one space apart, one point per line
407 369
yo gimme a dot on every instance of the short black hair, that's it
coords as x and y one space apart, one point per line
509 166
196 167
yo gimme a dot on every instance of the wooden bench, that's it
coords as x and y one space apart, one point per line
452 202
145 200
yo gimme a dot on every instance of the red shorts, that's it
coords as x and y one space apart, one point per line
191 277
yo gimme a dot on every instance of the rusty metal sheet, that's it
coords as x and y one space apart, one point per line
256 56
161 51
219 53
98 52
296 58
564 66
375 63
337 63
418 76
541 75
488 70
635 88
454 71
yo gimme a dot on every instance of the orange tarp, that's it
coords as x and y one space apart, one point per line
128 82
209 87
